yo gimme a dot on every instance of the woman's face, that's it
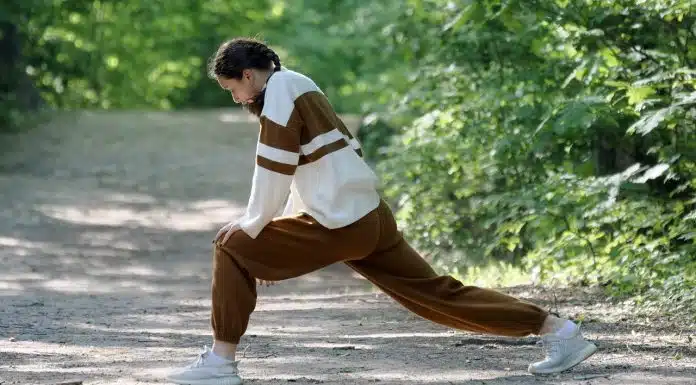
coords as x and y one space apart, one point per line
243 90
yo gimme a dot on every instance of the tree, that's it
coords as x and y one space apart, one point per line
17 93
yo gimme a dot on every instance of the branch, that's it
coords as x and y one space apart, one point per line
589 244
587 241
646 55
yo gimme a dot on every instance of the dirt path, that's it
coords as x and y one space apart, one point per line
105 229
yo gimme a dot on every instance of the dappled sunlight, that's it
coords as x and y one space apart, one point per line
13 284
41 368
109 239
337 346
9 288
260 327
22 277
267 300
198 216
289 359
282 377
295 306
89 363
425 376
308 297
137 270
16 242
312 278
96 242
102 282
95 279
183 330
97 286
259 330
20 247
131 198
32 347
447 334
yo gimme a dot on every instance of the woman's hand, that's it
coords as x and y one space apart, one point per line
264 282
226 232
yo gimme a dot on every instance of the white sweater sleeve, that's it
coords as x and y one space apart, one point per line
285 209
277 156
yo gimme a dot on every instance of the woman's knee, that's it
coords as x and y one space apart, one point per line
234 242
226 260
234 249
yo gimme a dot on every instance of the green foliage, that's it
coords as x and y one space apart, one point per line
346 46
555 134
135 54
128 54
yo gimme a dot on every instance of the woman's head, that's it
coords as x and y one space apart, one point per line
243 66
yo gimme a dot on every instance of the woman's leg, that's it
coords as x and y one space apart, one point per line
407 278
288 247
404 275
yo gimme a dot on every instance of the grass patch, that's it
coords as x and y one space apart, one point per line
492 274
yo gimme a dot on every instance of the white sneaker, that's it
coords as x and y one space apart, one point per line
562 353
207 370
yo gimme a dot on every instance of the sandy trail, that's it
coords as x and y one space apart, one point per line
105 228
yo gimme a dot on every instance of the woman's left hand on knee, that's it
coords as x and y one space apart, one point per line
264 282
226 232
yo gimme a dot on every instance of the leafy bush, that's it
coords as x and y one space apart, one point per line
556 134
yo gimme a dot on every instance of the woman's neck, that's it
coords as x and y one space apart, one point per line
262 78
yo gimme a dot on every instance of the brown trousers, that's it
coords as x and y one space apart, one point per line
293 246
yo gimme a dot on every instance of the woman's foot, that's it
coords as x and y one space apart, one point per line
207 369
565 347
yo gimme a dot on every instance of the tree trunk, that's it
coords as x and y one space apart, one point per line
16 89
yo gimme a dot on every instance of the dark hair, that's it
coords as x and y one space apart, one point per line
236 55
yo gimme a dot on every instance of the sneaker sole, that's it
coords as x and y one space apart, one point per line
208 381
579 357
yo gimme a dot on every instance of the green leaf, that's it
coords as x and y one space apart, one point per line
652 173
649 121
639 94
576 74
690 216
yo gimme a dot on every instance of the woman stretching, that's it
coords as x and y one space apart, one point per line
334 213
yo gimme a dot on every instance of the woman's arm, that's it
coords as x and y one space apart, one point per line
277 155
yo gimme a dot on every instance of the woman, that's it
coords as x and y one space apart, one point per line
305 155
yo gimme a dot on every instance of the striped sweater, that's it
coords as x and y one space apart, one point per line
306 155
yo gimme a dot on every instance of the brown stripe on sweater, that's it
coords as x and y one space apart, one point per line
323 151
277 136
318 116
282 168
344 130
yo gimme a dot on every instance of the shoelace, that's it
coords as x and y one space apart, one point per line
200 360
